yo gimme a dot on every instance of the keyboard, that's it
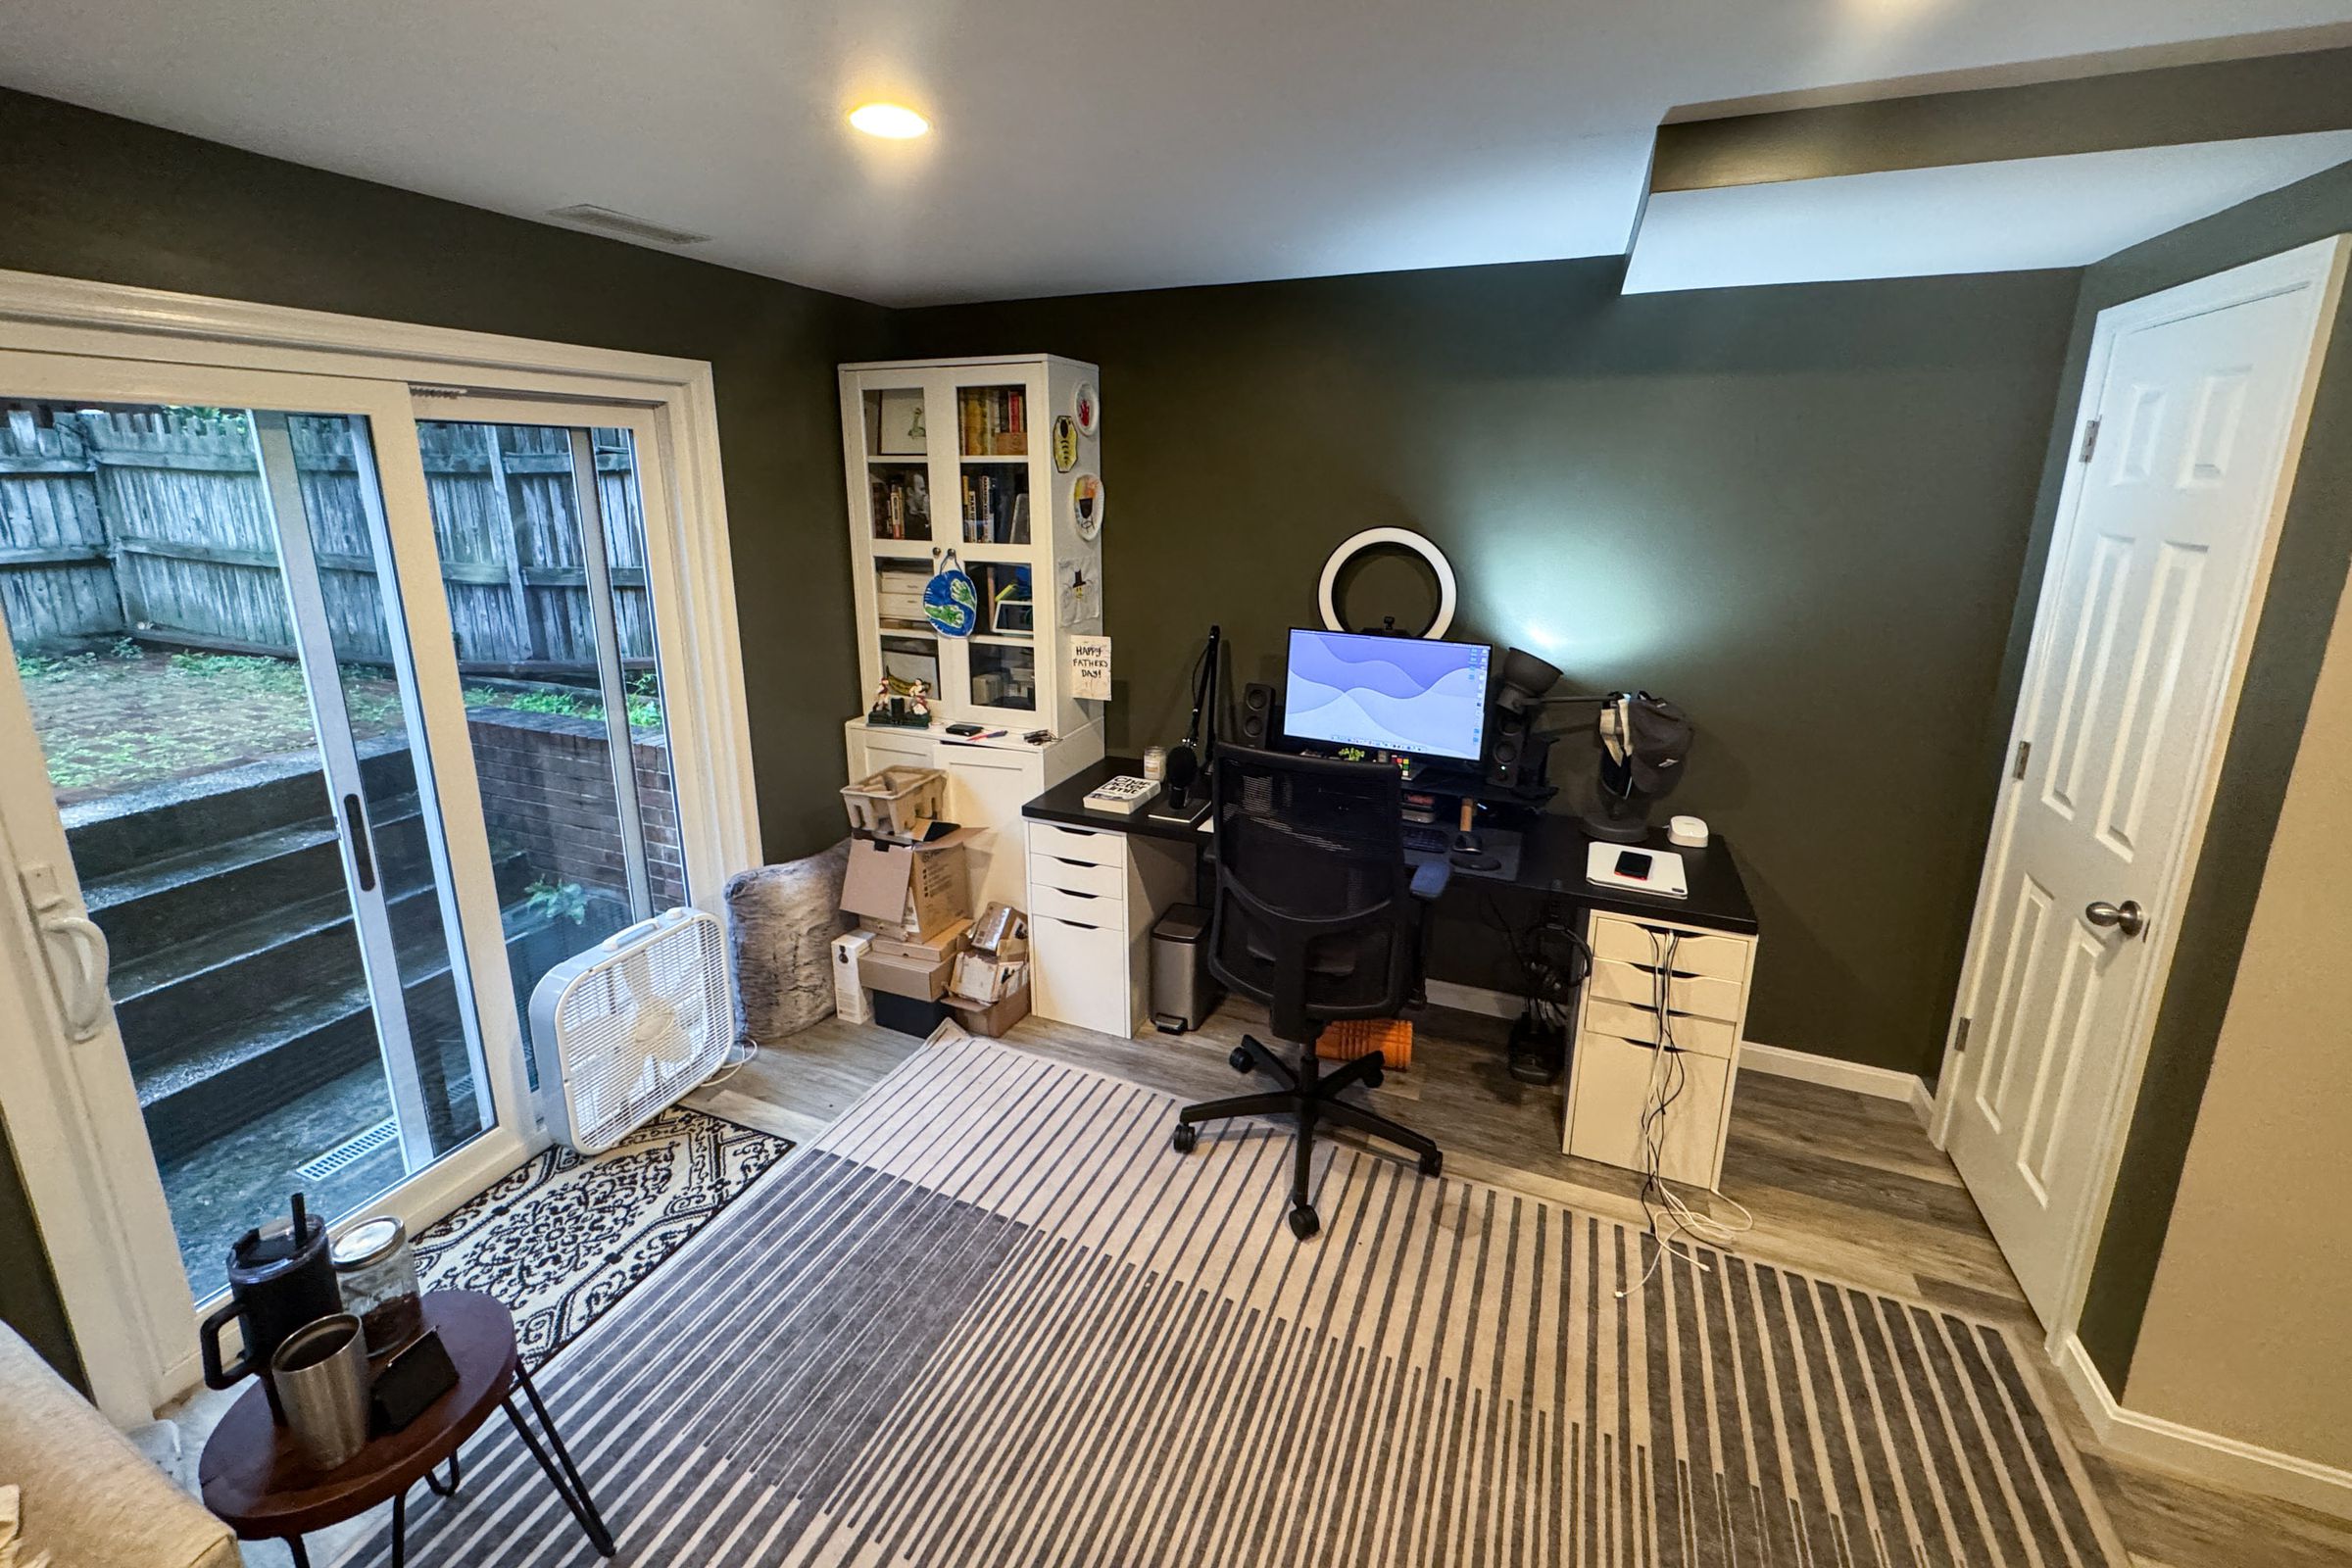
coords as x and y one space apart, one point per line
1426 838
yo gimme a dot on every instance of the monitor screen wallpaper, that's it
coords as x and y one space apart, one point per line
1391 694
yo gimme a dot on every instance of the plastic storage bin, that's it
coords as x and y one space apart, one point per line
888 804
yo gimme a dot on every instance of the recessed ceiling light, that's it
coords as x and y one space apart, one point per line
894 120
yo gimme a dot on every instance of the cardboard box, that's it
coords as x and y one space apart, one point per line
949 943
905 977
1002 930
995 1019
849 1000
921 889
981 978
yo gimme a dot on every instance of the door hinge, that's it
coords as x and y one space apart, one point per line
2024 749
2090 442
1960 1037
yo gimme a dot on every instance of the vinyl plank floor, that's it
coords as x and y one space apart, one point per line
1838 1182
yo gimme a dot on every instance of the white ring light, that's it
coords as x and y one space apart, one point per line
1371 539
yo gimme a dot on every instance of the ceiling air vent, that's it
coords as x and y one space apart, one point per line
604 219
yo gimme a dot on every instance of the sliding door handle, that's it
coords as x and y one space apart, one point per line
84 998
362 853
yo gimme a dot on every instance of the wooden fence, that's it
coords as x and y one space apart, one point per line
157 523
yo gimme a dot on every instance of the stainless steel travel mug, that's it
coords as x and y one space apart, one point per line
321 1370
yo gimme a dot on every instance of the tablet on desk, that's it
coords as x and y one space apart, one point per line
1620 865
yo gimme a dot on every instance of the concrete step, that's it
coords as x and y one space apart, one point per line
127 831
207 985
214 1085
151 908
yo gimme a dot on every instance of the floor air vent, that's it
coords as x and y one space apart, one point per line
348 1153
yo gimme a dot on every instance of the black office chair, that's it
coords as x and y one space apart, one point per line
1317 916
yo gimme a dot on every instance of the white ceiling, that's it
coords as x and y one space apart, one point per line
1969 218
1080 144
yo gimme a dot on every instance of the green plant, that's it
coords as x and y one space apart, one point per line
557 900
124 649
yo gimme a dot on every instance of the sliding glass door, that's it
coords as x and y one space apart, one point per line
237 794
544 547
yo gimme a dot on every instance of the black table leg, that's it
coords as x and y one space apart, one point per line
400 1528
566 1480
434 1481
302 1558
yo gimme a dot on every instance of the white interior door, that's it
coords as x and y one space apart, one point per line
2199 396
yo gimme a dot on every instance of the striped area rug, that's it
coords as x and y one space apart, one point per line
991 1317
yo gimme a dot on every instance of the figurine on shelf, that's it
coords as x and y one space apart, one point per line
902 703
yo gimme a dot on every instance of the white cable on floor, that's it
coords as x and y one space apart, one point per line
728 1070
1666 1079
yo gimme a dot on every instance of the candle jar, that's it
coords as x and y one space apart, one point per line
378 1272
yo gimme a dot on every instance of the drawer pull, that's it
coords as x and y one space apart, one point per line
1066 861
1079 925
1073 892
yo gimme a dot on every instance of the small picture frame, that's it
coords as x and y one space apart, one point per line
900 432
1086 406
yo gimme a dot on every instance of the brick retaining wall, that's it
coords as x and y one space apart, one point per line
547 792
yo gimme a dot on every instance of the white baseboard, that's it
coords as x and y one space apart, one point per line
1474 999
2199 1454
1880 1083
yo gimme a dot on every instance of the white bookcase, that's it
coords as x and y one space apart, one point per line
964 481
976 474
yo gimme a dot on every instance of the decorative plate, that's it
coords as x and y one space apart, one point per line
1088 408
1066 443
1086 500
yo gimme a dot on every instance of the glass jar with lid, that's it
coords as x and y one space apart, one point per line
378 1272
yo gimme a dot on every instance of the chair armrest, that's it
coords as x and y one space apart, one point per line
1430 879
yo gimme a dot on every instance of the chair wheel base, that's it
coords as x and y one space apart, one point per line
1239 1061
1303 1223
1186 1138
1433 1164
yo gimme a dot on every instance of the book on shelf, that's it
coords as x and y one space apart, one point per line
993 421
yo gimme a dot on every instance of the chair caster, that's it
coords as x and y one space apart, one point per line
1433 1164
1379 1074
1239 1061
1186 1138
1303 1223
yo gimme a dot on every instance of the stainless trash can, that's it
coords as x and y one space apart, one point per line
1183 995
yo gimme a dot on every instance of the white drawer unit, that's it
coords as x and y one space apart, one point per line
1614 1066
1086 846
1614 980
988 784
1093 897
1604 1117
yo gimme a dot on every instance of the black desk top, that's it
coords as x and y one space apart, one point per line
1551 859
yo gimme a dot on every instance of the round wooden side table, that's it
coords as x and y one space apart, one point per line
258 1483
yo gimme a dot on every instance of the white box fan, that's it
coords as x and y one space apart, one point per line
622 1031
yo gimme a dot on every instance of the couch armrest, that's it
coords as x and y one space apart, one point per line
88 1495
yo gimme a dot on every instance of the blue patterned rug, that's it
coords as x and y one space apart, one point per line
562 1238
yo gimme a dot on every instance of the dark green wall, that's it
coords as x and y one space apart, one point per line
1799 511
87 195
30 1301
2314 547
90 196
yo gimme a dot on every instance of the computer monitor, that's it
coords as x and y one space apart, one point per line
1389 694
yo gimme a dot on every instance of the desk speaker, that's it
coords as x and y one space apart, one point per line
1518 759
1262 720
